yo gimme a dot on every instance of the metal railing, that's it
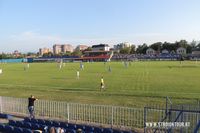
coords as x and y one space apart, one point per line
176 114
114 116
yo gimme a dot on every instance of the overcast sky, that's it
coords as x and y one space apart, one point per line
27 25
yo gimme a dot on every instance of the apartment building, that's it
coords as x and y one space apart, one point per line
62 48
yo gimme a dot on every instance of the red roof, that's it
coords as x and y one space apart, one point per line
96 57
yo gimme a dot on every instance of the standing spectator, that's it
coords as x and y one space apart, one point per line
31 101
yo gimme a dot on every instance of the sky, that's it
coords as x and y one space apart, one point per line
27 25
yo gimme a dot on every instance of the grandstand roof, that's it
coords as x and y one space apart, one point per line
102 51
100 45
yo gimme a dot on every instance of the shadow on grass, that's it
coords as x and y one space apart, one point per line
58 78
189 66
78 89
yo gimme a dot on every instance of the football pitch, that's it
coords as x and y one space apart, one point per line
137 84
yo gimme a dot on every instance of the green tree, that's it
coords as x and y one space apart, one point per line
125 50
168 46
77 53
198 46
88 49
141 49
132 51
67 53
156 46
193 44
49 54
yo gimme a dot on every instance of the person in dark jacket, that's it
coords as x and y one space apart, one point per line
31 101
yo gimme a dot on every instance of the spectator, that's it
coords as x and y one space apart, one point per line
52 130
59 130
79 130
31 101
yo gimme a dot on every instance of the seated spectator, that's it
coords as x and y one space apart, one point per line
59 130
79 130
37 131
52 130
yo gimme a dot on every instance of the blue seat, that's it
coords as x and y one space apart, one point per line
35 126
19 123
88 128
27 125
117 131
18 130
48 122
98 130
70 130
25 130
63 124
2 115
79 127
34 121
107 130
71 126
9 129
2 127
12 122
56 124
27 119
40 121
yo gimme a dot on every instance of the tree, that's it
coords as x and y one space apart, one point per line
141 49
77 53
193 44
156 46
168 46
189 49
132 51
198 46
67 53
49 54
183 43
88 49
125 50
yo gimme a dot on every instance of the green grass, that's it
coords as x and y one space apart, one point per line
140 84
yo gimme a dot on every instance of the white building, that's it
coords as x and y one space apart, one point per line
196 52
150 51
165 51
181 50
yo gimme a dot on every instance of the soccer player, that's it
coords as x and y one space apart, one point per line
102 84
77 74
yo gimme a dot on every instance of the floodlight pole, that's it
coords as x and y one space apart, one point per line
167 108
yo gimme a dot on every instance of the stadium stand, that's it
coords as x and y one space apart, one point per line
132 57
41 125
